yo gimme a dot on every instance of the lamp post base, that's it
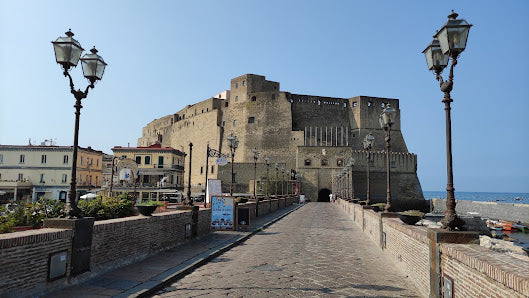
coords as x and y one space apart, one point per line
452 222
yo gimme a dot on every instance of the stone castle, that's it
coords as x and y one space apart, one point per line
314 135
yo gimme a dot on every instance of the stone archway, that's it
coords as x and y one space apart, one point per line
323 195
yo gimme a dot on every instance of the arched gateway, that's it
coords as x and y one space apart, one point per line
323 195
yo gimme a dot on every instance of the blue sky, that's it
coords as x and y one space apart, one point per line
163 55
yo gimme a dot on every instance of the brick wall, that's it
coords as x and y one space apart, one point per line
476 271
24 260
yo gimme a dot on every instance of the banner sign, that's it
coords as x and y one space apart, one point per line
222 213
214 189
221 161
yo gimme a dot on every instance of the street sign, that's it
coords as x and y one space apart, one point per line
221 161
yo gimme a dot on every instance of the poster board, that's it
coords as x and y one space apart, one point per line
214 189
301 199
222 213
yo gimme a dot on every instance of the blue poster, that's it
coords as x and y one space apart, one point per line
222 213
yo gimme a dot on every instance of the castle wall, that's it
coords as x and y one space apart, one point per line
277 124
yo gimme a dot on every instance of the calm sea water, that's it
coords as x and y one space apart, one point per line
500 197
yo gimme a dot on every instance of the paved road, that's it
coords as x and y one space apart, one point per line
315 251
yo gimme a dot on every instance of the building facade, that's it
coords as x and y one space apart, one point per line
160 171
32 172
313 135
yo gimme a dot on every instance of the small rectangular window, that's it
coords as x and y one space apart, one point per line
20 177
382 105
138 159
212 169
234 122
236 98
201 170
244 83
1 158
147 160
251 120
22 158
64 177
41 178
369 103
237 85
226 104
354 104
81 160
43 158
65 159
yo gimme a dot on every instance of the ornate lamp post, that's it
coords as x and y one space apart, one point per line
277 169
255 157
448 42
351 165
233 143
386 119
267 161
283 181
188 201
368 145
67 54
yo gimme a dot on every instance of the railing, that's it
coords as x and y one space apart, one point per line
162 166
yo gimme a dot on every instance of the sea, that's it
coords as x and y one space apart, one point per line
500 197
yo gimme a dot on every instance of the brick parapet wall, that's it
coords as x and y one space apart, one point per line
24 260
508 276
477 271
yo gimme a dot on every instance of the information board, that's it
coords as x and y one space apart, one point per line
222 215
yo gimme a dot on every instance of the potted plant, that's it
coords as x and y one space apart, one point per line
378 207
147 208
411 217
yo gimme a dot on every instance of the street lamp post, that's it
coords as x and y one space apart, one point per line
233 143
368 145
283 181
277 169
255 157
351 165
267 161
67 53
448 43
387 118
188 201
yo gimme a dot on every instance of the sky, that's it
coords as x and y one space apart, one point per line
164 55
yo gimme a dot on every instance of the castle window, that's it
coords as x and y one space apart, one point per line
138 159
254 98
275 87
354 104
244 83
308 162
237 85
236 98
345 105
339 163
147 160
202 111
43 158
212 169
65 159
226 104
201 170
22 158
382 105
251 119
324 162
234 122
369 103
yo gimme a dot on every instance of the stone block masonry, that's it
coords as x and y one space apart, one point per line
429 258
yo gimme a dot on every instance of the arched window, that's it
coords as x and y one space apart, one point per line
254 98
339 162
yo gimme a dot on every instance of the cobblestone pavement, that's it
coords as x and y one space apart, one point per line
314 251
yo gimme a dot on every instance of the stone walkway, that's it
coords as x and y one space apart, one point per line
314 251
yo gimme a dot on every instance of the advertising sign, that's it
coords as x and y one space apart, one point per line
222 215
301 199
221 161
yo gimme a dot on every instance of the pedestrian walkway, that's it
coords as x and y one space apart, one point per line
315 251
154 272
